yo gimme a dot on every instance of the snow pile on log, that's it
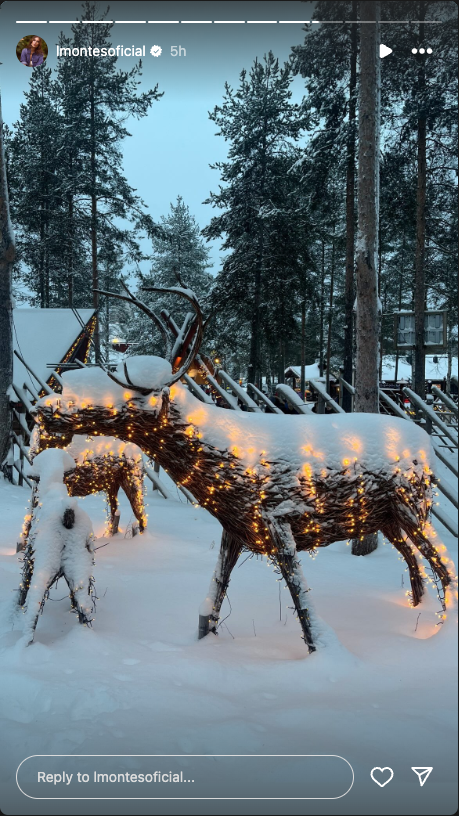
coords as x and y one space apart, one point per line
60 543
49 470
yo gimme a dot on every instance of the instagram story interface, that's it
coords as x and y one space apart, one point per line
228 407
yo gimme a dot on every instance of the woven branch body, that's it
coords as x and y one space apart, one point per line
102 465
320 507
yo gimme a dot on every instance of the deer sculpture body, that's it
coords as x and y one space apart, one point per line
103 464
278 485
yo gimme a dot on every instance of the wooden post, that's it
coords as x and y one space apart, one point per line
21 460
156 469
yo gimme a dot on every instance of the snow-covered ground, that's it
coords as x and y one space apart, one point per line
140 682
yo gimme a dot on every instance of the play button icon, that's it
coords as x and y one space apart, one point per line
384 50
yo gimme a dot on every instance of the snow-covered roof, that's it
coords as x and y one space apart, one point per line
311 371
434 371
43 336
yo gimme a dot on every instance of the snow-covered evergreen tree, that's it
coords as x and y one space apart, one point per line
68 191
36 184
178 249
260 123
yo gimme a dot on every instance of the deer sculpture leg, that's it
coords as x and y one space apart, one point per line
418 539
133 487
395 536
112 498
24 539
209 612
426 549
76 593
33 615
286 558
27 572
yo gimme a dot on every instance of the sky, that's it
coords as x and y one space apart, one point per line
170 150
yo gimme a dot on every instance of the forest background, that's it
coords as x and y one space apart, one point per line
283 204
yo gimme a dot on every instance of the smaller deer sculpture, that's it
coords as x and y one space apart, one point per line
103 464
278 485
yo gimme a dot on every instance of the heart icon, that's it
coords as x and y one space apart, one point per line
381 771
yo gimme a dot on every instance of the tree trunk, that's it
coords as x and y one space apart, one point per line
281 363
400 300
41 270
303 351
383 306
420 284
368 312
70 252
330 314
254 362
95 271
321 328
255 341
47 287
350 215
7 254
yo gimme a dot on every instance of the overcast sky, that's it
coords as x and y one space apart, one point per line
170 150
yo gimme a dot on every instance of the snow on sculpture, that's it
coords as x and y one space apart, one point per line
101 464
59 544
278 485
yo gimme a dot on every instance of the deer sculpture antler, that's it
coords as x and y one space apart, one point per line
193 347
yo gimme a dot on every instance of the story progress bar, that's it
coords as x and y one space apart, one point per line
221 22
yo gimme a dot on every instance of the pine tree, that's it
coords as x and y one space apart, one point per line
68 192
35 183
96 99
422 91
331 103
260 123
178 250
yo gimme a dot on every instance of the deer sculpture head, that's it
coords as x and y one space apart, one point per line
277 484
139 387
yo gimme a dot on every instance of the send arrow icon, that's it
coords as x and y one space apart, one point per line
423 774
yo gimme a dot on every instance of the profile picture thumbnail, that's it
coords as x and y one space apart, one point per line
32 51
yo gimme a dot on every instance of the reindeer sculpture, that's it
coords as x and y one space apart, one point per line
105 464
277 485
